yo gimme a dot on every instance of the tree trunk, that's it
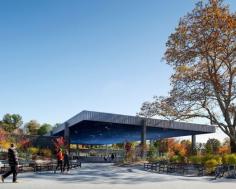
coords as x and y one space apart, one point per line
233 146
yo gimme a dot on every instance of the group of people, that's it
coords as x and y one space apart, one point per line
13 160
111 158
62 161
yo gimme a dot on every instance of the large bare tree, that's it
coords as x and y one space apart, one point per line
202 52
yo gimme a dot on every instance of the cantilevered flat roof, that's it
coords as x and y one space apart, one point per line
89 127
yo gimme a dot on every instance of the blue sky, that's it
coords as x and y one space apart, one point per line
59 57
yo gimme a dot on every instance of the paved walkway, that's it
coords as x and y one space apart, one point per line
103 176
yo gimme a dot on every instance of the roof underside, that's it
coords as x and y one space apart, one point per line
104 128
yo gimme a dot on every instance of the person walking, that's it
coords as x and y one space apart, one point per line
59 161
112 157
66 161
13 163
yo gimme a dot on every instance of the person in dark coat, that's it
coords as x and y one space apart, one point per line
112 157
66 161
13 163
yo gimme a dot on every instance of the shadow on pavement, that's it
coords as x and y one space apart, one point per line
100 174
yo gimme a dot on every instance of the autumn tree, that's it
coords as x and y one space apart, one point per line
161 145
187 145
2 134
32 127
224 150
59 143
212 146
202 53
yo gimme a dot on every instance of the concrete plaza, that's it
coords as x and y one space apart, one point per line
102 176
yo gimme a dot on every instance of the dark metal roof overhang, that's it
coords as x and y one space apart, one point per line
90 127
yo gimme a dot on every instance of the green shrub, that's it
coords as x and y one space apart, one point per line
33 150
156 159
218 159
232 159
225 159
152 159
210 157
138 159
211 165
229 159
176 159
206 158
151 154
195 159
46 152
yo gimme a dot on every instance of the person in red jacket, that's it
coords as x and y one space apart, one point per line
59 161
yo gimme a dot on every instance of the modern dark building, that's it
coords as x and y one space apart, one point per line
97 128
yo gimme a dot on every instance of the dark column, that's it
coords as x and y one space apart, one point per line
193 144
77 149
143 138
67 136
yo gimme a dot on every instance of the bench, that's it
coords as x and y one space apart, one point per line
225 170
148 166
38 167
151 166
43 167
6 168
176 168
194 169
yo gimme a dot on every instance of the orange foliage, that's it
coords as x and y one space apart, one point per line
59 142
177 148
3 143
24 143
224 150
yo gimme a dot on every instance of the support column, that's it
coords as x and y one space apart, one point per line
77 149
143 138
193 144
67 137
